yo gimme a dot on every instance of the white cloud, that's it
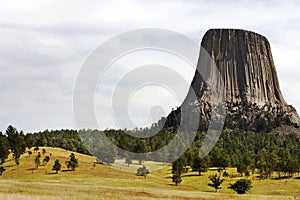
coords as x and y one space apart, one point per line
44 43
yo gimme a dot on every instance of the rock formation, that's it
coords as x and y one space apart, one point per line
253 97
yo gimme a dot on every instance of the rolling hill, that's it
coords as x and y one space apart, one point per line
97 181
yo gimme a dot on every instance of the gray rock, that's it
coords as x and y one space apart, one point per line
253 97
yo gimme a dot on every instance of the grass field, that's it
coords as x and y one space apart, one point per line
102 182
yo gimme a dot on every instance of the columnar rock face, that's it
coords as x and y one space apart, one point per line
253 96
244 59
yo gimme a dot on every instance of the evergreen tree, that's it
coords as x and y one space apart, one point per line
36 148
197 165
128 161
216 181
73 162
220 158
4 148
43 151
141 147
46 160
16 142
29 141
142 171
225 174
37 162
56 166
1 170
261 162
200 164
241 186
179 165
176 178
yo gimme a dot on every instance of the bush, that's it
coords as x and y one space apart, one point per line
1 170
36 149
225 174
46 160
142 171
241 186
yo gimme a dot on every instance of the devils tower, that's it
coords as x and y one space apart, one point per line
253 97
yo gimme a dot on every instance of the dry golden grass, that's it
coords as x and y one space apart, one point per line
102 182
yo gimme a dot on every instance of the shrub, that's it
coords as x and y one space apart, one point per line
1 170
241 186
142 171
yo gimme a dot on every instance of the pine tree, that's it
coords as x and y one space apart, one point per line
176 178
46 160
4 148
128 161
73 162
17 142
1 170
241 186
200 164
178 167
56 166
37 162
141 147
216 181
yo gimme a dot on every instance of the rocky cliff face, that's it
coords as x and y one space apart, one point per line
253 97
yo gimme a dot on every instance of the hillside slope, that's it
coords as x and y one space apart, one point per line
94 182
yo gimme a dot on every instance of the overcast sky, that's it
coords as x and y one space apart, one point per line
43 45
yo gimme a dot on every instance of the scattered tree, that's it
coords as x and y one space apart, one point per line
37 162
43 151
176 178
225 174
142 171
29 141
128 161
216 181
1 170
36 148
200 165
73 162
247 174
4 148
29 153
56 166
141 147
220 158
16 142
46 160
241 186
179 165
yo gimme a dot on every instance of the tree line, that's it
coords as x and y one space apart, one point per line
247 151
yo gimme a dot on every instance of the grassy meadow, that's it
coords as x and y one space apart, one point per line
98 181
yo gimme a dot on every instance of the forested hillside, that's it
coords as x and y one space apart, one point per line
245 150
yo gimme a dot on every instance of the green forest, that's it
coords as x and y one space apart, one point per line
245 150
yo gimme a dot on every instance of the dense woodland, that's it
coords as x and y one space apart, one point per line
248 151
